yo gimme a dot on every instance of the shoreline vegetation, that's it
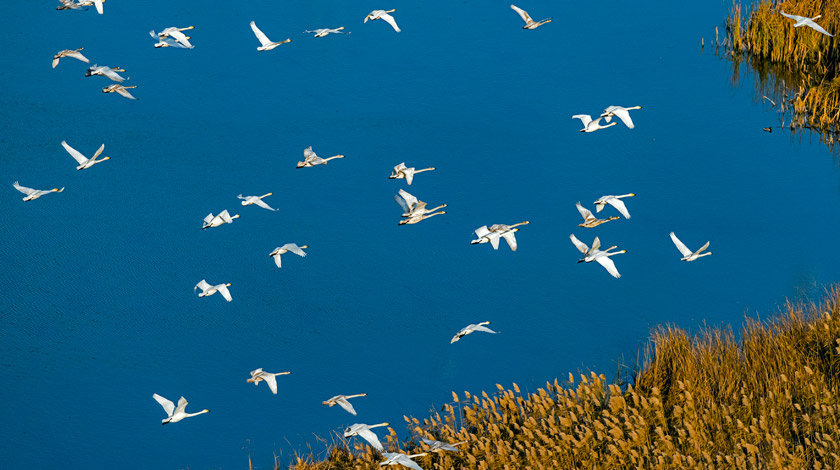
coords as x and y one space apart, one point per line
766 400
794 67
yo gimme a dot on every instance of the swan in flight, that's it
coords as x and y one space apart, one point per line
595 254
96 3
122 90
805 21
172 37
341 400
321 32
687 254
105 72
383 15
529 23
288 247
224 217
590 220
614 201
621 112
589 125
471 328
207 289
265 43
438 446
393 458
414 209
248 200
310 158
74 53
83 161
69 5
496 231
34 193
175 414
259 375
401 171
364 431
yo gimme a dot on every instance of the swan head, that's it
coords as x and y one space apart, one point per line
581 260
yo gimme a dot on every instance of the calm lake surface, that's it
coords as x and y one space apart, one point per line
98 311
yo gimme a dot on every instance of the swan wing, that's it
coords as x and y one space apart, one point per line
817 27
262 204
167 405
124 92
81 159
342 402
619 204
406 461
271 381
522 13
483 328
410 200
596 243
794 17
391 21
203 285
409 175
98 4
224 291
680 245
494 240
369 436
225 215
702 248
482 231
261 37
307 152
181 38
277 260
108 72
585 118
579 244
292 247
98 151
607 263
584 212
510 238
624 115
77 55
182 405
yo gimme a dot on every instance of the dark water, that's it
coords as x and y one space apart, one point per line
98 312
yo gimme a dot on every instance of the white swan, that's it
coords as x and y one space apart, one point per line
364 431
321 32
401 171
805 21
288 247
122 90
589 125
393 458
215 220
688 255
96 3
34 193
491 235
438 446
258 200
258 375
68 5
529 23
469 329
415 210
383 15
207 289
266 44
594 254
105 72
341 400
175 414
74 53
590 220
311 158
172 37
614 201
83 161
622 113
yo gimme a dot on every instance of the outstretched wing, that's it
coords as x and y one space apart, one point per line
224 291
262 204
607 263
277 260
624 115
522 13
619 204
225 215
182 405
703 247
261 37
292 247
391 21
167 405
584 212
203 285
510 238
98 4
77 55
819 28
81 159
271 381
181 38
483 328
482 231
409 200
122 91
579 244
369 436
680 246
793 17
342 402
585 118
494 240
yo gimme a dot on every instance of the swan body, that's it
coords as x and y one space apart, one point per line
69 5
74 53
589 125
265 43
173 414
614 201
215 220
688 255
401 171
394 458
258 375
319 33
364 431
595 254
590 220
805 21
414 209
310 158
105 72
341 400
469 329
529 23
172 37
288 247
95 3
621 112
438 446
258 200
383 15
31 194
207 289
120 89
491 235
83 161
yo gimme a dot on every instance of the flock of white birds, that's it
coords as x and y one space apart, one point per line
414 210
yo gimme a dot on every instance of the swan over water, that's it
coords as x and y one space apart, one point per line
469 329
590 220
175 414
74 53
341 400
688 255
31 194
83 161
529 23
595 254
287 248
364 431
621 112
259 375
207 289
805 21
265 43
491 235
589 125
383 15
614 201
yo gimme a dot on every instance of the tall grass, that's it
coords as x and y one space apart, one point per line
768 400
808 61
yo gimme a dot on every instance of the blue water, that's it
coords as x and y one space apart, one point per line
98 311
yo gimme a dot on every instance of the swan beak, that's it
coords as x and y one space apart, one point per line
228 284
580 261
305 246
205 410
